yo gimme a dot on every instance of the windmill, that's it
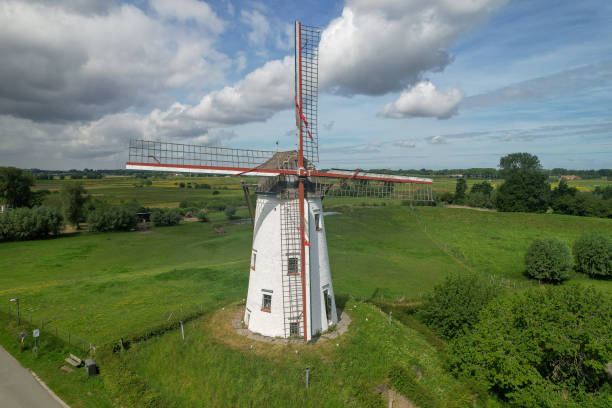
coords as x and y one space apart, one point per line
290 289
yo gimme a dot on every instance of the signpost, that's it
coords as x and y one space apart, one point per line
35 334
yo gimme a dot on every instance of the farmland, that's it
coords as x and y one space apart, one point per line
103 287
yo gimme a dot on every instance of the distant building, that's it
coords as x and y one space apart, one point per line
571 177
4 208
456 175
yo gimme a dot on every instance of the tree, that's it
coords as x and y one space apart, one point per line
104 219
29 223
525 188
484 188
541 348
163 217
523 192
518 162
453 306
548 259
73 200
593 255
460 190
15 187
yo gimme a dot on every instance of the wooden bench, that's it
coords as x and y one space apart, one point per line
74 361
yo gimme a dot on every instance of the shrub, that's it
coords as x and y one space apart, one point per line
162 217
548 259
230 212
112 219
453 306
30 223
593 255
484 188
203 216
215 192
540 347
460 190
480 200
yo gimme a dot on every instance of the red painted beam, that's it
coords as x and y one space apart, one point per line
244 170
303 257
355 176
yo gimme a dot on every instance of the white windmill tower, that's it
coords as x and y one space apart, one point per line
290 288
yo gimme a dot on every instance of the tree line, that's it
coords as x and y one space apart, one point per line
526 188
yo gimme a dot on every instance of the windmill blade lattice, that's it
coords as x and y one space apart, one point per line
307 89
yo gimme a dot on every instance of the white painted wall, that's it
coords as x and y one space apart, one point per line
267 274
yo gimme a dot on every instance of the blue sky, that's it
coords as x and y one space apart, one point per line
404 84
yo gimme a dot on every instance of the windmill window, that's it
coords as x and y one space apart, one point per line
294 329
318 222
266 304
292 266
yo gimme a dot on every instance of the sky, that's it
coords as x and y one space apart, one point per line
404 84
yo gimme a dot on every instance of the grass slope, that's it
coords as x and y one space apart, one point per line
495 243
207 372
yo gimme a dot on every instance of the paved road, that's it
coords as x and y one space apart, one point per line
18 389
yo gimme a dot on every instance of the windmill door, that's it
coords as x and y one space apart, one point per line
328 305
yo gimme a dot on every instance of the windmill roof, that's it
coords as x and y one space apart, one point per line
284 160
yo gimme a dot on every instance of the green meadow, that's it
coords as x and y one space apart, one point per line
105 287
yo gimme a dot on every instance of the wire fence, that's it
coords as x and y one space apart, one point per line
48 327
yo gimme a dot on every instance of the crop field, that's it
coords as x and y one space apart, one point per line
103 287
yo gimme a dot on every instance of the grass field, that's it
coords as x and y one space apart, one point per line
343 373
164 192
103 287
495 243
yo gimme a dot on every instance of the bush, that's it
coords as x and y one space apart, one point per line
593 255
540 347
203 216
230 212
453 307
112 219
163 217
548 259
480 200
30 223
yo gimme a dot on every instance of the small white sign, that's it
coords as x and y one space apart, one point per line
36 333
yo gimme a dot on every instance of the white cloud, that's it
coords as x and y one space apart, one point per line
101 142
284 38
435 140
404 144
383 46
59 65
423 100
185 10
255 98
259 25
240 61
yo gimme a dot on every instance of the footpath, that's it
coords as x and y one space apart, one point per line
19 388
